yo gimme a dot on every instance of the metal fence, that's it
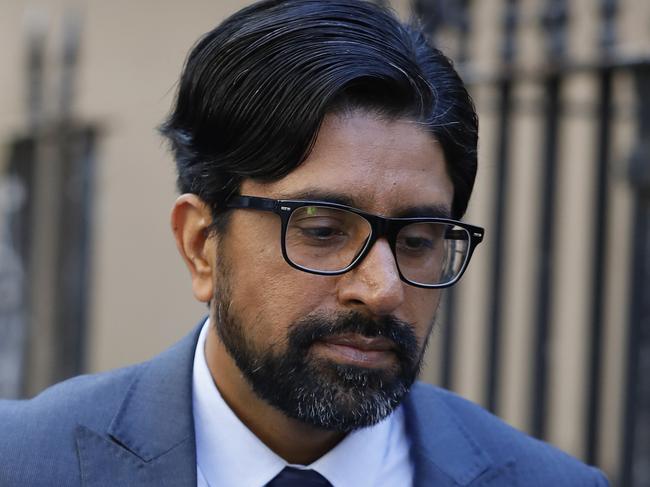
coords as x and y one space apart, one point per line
47 198
503 93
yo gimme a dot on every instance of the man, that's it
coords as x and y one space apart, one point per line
325 153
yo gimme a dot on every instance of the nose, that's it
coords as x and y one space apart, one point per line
374 284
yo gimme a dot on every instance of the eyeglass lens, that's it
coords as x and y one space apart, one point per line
328 239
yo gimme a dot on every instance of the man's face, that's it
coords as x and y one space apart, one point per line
338 352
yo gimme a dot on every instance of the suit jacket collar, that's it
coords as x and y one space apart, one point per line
444 451
151 438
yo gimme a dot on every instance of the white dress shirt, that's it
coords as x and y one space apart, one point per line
228 454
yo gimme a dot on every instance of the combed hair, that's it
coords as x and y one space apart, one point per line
255 90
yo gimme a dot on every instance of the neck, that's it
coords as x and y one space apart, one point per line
293 440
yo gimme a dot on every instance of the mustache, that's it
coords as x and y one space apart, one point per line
317 327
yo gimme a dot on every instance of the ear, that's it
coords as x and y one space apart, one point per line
190 221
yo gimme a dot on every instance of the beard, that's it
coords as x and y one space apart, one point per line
320 392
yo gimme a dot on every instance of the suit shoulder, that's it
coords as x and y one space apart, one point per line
74 398
535 459
85 397
39 433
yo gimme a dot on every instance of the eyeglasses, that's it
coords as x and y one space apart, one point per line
330 239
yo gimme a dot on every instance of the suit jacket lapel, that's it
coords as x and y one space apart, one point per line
444 452
151 438
151 442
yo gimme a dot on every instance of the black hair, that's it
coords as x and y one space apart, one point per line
255 90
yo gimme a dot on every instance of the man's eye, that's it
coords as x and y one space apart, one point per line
321 233
415 244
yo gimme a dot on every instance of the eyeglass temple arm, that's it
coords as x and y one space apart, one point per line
462 235
256 203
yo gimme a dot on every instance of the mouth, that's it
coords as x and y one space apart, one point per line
358 350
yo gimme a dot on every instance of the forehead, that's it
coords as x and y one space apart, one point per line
381 166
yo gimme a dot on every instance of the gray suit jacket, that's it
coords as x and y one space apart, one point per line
134 427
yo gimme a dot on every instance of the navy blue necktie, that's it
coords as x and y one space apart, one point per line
293 477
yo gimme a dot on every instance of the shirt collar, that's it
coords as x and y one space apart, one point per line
228 453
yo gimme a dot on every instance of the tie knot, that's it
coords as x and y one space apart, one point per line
294 477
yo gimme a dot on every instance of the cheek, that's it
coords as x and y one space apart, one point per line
267 294
269 303
423 305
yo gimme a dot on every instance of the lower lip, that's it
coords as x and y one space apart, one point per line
355 356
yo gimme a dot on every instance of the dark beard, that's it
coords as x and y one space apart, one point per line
317 391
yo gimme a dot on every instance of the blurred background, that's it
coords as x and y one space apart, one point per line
550 327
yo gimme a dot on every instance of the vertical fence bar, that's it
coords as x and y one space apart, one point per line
554 21
74 159
501 188
601 218
635 464
35 65
545 260
599 238
74 260
464 31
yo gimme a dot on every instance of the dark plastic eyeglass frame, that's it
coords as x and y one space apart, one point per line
380 227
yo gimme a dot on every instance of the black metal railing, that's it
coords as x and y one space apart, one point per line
635 454
556 70
47 230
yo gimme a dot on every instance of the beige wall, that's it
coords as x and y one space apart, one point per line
132 55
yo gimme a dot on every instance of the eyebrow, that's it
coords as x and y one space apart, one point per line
435 210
